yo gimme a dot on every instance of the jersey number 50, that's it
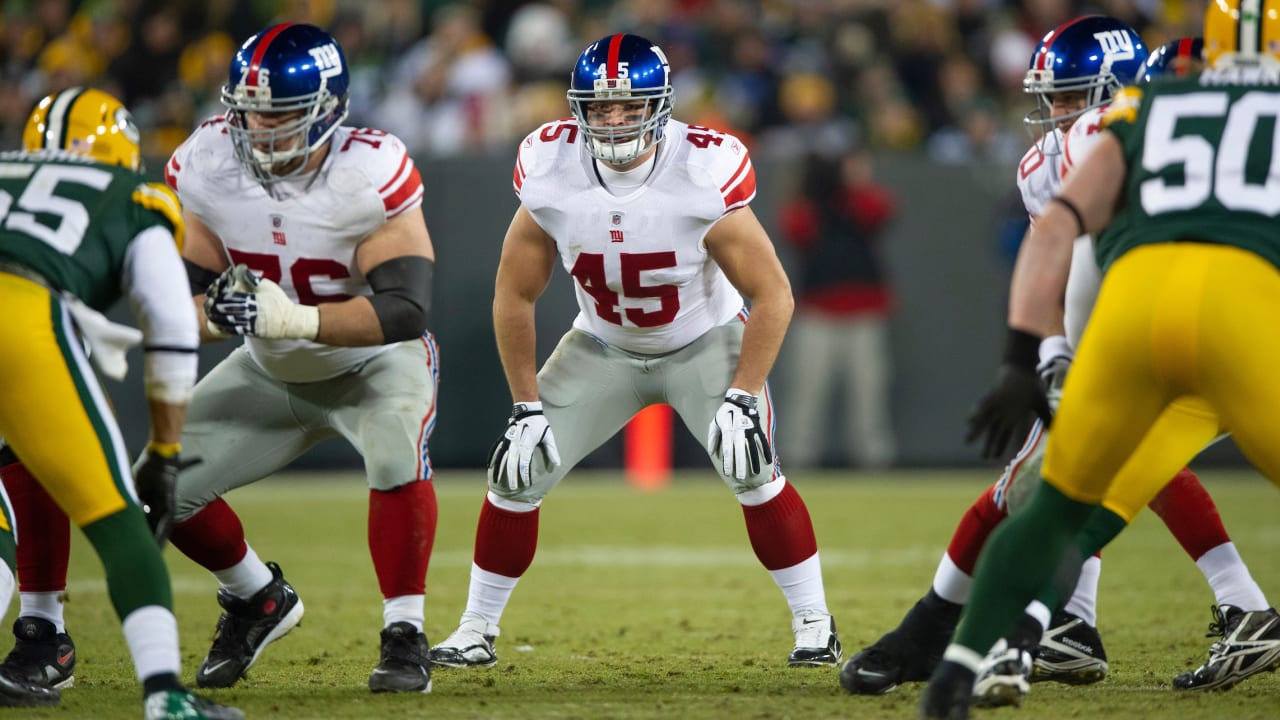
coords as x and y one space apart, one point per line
1228 177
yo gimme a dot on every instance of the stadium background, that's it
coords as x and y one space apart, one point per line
932 88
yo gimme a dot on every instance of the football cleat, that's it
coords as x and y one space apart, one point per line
41 654
246 627
18 691
185 705
405 665
1003 678
908 653
1070 652
1249 644
948 694
817 644
471 645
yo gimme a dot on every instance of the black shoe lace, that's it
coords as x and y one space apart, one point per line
228 636
1217 628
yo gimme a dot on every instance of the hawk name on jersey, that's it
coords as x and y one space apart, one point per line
1200 152
306 239
71 220
643 278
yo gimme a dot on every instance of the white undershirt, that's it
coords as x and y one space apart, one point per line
621 182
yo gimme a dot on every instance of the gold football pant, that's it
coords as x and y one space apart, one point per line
52 409
1182 339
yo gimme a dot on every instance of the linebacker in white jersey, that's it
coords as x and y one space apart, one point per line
325 263
650 217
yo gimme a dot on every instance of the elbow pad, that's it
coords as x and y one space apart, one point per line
200 278
402 296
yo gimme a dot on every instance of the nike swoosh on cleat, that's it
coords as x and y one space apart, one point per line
872 674
210 669
62 659
814 620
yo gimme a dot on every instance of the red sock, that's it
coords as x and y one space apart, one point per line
780 530
505 540
1190 514
971 534
402 531
213 537
43 529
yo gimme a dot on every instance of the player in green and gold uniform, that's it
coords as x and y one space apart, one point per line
80 229
1186 184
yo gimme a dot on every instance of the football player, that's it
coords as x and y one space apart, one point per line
1073 72
651 218
82 229
307 238
1178 338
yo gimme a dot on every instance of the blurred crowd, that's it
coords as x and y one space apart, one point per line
943 76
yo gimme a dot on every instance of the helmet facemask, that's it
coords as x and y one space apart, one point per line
282 149
1040 123
618 144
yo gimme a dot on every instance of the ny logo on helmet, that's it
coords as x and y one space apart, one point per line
1116 44
328 59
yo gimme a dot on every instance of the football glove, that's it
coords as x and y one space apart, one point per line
241 303
1017 398
736 437
511 459
153 481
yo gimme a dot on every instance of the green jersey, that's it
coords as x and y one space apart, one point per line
1203 154
70 220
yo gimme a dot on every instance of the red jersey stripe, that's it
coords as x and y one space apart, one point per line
404 160
411 185
736 174
743 192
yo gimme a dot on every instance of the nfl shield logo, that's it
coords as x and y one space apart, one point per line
615 218
277 221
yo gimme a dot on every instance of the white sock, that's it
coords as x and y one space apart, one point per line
7 583
488 594
951 583
801 584
152 635
245 577
404 608
44 605
1084 601
1230 579
1041 613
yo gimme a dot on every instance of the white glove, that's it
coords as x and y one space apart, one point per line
1055 360
261 311
736 438
528 431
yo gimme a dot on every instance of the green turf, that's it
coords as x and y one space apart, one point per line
653 606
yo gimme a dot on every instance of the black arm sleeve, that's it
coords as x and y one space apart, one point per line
402 296
200 278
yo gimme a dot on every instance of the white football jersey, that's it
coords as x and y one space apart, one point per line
1039 177
1085 278
305 240
644 280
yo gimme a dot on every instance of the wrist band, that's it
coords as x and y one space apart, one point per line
164 450
1022 350
1075 212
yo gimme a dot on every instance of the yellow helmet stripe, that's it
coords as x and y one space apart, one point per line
55 123
158 197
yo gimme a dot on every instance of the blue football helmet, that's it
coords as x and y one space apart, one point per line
621 69
1174 58
1094 54
298 73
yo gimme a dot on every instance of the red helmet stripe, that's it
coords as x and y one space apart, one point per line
1042 58
255 63
615 47
1184 48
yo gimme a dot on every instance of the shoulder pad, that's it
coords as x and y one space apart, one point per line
160 198
1124 107
384 158
549 139
724 158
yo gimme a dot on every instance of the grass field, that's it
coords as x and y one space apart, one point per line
653 606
